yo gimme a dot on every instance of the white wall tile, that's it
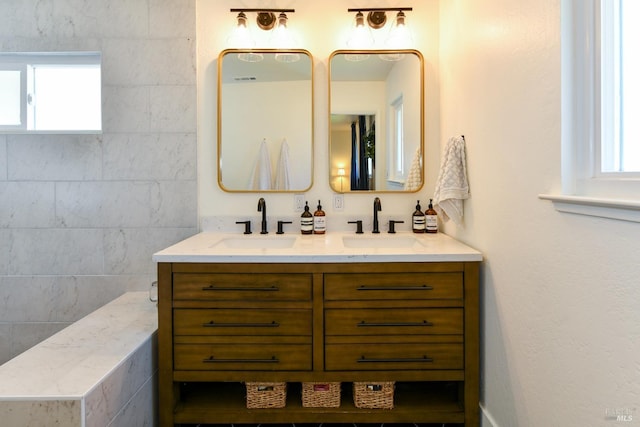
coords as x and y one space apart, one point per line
41 413
173 108
3 157
54 157
125 109
154 156
174 204
129 251
170 18
4 252
26 18
62 298
142 409
149 62
90 18
32 204
6 351
110 397
104 204
55 252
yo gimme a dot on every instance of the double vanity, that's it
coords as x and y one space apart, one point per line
337 307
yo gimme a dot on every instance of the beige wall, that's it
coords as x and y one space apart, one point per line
561 317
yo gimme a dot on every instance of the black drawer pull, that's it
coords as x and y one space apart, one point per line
395 288
213 324
240 288
212 359
423 359
423 323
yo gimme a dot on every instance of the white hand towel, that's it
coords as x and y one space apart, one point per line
414 180
261 177
283 179
452 186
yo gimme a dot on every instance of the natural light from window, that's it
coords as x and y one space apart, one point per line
50 92
620 146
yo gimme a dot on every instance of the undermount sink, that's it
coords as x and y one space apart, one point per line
381 241
256 242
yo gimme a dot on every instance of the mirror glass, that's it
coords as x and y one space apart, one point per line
376 121
265 120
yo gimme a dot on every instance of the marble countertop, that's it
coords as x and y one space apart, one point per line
332 247
70 363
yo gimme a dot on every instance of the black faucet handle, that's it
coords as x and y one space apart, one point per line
392 225
247 226
358 225
280 228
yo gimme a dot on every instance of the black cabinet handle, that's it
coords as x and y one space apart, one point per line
239 288
395 288
423 359
213 324
423 323
212 359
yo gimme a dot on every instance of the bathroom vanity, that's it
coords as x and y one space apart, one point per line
331 308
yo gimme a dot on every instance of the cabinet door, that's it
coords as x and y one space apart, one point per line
410 321
236 322
375 357
242 357
242 287
393 286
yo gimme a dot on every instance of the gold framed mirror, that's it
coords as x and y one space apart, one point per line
265 120
376 120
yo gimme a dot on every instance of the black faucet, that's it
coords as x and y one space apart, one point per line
392 225
377 207
262 207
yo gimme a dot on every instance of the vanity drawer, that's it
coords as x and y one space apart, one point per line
235 322
374 357
242 286
242 357
393 286
411 321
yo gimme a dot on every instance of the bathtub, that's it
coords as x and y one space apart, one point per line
99 371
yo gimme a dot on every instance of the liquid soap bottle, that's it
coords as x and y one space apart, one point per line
306 220
319 220
432 219
418 220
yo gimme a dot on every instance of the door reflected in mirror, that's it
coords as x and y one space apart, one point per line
265 120
376 121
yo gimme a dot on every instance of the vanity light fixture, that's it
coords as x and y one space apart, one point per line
265 20
362 39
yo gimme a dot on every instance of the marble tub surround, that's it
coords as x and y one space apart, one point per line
329 247
100 371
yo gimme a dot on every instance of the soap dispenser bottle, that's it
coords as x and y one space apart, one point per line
431 225
319 220
418 220
306 220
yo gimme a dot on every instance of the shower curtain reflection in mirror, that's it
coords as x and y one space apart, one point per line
363 152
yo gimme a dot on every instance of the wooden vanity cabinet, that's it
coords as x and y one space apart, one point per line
223 324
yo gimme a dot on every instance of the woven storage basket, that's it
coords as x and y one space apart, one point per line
320 395
266 395
373 395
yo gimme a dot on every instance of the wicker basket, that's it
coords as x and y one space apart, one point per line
320 395
266 395
373 395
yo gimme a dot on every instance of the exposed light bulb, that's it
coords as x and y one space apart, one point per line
241 36
361 37
399 36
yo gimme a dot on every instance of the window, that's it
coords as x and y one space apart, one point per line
620 87
600 101
50 92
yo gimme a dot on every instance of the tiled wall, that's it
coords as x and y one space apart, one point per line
81 215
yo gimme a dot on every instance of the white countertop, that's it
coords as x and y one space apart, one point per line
331 247
70 363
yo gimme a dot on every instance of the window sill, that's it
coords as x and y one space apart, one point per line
624 210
